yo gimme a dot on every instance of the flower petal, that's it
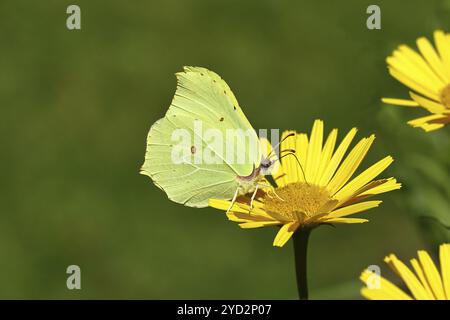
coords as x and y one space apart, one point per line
350 164
285 234
267 150
408 277
388 185
251 225
354 208
345 220
373 188
362 179
423 122
327 152
337 157
430 93
443 47
419 272
314 151
444 257
289 164
301 151
225 204
400 102
386 291
425 78
415 58
432 58
430 105
432 274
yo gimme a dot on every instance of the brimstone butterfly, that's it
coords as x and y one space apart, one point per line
203 97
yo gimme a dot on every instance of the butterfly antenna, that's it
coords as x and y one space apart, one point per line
298 161
285 150
278 144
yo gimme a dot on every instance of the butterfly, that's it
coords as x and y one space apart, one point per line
203 99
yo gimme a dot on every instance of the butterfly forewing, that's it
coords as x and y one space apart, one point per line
206 109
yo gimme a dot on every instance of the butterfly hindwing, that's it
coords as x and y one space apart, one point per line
186 183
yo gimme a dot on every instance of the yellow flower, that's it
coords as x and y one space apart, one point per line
428 76
425 284
326 196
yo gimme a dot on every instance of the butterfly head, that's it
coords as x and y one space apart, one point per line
266 165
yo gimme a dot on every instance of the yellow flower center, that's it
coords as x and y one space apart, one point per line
445 96
300 200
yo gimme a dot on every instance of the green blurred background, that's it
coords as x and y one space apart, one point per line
76 107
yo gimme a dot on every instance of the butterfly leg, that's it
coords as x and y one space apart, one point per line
268 194
233 200
253 197
271 189
274 192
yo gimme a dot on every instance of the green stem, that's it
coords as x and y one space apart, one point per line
300 251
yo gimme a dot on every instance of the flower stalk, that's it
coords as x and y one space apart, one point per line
301 237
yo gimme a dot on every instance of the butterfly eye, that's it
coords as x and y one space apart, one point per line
266 164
